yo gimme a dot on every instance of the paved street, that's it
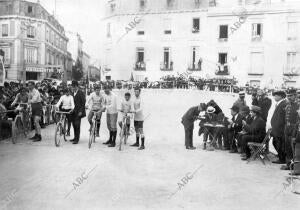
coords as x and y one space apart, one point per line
41 176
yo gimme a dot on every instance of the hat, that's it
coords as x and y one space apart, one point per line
235 108
291 92
210 110
74 83
242 93
256 109
279 93
245 109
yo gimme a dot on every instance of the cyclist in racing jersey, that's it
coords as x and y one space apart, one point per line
126 106
96 102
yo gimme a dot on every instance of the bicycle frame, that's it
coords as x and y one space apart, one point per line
124 130
93 128
60 127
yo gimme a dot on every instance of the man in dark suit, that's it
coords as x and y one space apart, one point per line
78 112
235 126
264 103
188 120
255 132
278 125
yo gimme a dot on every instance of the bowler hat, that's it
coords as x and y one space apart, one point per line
235 108
210 110
74 83
279 93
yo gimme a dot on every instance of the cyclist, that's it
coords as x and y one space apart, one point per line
66 104
126 106
138 119
96 102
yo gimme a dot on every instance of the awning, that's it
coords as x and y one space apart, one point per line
44 69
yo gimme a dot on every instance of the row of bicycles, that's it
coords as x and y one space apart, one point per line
61 129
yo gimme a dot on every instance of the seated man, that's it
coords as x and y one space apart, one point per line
209 118
256 131
245 112
222 132
234 127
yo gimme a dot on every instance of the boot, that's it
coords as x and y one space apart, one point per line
143 144
38 138
114 136
110 139
34 137
137 144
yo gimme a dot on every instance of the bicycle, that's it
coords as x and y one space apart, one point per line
60 130
22 122
125 130
93 130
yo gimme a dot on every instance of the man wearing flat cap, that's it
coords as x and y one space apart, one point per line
240 102
291 116
188 120
278 125
255 132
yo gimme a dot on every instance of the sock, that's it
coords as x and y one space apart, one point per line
143 141
137 140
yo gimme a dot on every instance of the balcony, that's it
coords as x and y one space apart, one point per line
166 67
291 71
222 69
194 67
256 38
195 30
223 39
140 66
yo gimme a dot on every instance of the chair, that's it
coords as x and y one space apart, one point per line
259 150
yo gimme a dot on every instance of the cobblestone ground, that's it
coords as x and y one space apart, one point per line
164 176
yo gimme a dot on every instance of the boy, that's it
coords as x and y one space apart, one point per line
126 106
138 119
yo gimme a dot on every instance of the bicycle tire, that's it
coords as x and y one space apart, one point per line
92 137
58 133
65 130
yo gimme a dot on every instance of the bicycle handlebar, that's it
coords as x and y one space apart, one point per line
59 112
131 112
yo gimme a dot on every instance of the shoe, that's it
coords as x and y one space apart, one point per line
34 137
142 148
112 145
278 162
75 142
108 142
38 138
135 145
233 151
284 168
97 135
72 140
245 158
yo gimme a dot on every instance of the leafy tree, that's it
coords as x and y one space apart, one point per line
77 70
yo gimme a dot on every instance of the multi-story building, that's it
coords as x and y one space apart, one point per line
85 63
34 42
94 73
75 46
256 42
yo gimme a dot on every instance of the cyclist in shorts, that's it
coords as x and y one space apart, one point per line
138 119
126 106
66 104
96 101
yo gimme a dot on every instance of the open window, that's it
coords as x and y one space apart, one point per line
256 31
222 65
223 32
140 59
167 64
196 25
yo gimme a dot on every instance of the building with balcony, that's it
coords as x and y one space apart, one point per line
256 42
34 42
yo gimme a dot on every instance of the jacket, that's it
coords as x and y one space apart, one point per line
278 120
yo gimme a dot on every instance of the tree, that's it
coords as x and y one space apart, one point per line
77 70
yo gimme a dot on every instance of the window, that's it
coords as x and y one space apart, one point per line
142 4
292 63
197 3
108 34
257 63
222 58
31 55
4 30
292 30
141 27
140 59
6 51
29 9
223 33
141 32
167 26
196 61
256 31
196 25
167 63
170 3
222 65
30 32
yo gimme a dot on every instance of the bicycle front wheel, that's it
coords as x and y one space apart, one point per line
58 134
92 137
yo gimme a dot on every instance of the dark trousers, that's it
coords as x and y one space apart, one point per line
76 126
279 145
289 149
189 130
231 140
245 139
222 136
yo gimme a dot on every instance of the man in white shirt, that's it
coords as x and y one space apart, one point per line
126 107
66 104
34 98
96 101
112 116
138 119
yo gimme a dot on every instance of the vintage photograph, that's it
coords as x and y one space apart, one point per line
149 104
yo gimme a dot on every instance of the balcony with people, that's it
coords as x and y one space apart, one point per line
222 69
140 66
166 66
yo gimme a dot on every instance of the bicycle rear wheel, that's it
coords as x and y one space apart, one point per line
18 128
65 129
58 134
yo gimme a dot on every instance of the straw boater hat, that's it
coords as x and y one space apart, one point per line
210 110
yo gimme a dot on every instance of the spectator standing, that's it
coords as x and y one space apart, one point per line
240 102
264 103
